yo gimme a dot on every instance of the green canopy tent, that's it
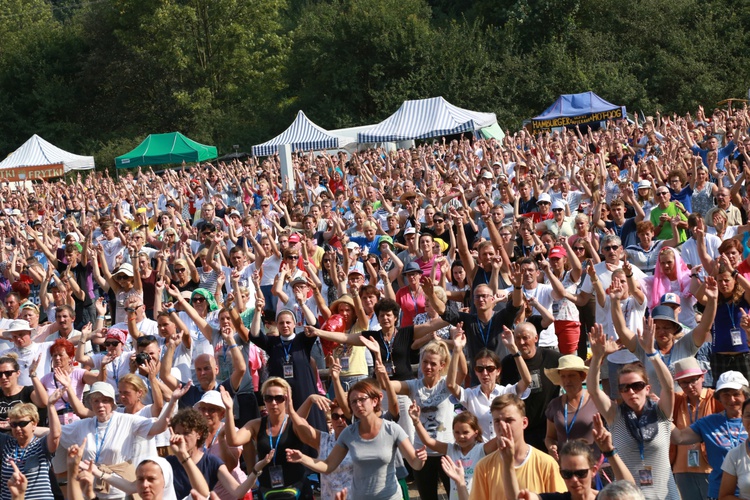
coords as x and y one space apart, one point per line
173 147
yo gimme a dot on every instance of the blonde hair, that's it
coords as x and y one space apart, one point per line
276 382
24 410
368 224
136 383
441 349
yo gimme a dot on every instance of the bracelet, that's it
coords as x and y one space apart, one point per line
257 473
100 317
102 476
171 310
517 287
629 275
182 462
651 355
611 453
735 273
234 345
694 275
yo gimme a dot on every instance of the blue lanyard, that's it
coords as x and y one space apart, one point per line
731 314
485 336
569 428
100 444
733 440
206 448
693 417
287 349
414 300
668 360
278 437
116 373
388 345
18 459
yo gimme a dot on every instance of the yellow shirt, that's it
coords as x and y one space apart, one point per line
540 474
356 354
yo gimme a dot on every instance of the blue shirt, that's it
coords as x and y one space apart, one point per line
722 153
720 435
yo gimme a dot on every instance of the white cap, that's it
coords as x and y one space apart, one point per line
212 398
487 175
544 197
644 184
410 230
126 269
358 268
351 246
74 236
558 204
731 380
103 388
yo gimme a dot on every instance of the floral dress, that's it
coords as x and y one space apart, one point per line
340 478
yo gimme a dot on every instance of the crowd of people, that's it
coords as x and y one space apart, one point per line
559 315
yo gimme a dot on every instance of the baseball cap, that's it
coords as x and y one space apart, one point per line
730 380
544 197
558 204
670 299
557 252
358 268
103 388
212 398
487 175
410 230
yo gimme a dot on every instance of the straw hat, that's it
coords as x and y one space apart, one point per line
567 362
344 299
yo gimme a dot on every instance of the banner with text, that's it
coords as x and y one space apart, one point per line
32 173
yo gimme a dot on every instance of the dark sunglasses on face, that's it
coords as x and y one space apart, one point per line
197 299
488 369
7 374
180 270
111 343
279 399
611 248
21 424
337 416
292 257
568 474
635 387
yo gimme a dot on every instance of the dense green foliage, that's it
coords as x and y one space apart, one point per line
95 76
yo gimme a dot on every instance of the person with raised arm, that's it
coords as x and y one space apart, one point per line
639 425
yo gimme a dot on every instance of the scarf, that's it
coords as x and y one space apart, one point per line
212 305
662 284
644 428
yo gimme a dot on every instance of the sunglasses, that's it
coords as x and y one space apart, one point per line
579 249
279 399
557 209
611 248
635 387
438 221
337 416
292 257
21 424
488 369
7 374
180 270
197 299
663 193
543 203
568 474
111 343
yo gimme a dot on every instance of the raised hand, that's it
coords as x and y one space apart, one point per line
506 444
459 337
414 411
646 338
602 436
712 289
454 470
598 341
182 390
294 456
227 399
35 364
17 483
516 276
509 340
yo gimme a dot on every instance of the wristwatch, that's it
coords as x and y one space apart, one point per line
517 354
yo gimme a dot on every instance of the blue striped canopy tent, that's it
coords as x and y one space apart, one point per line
302 135
425 118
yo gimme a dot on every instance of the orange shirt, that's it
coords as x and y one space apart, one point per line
682 418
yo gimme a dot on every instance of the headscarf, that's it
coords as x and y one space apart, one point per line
166 470
662 284
212 305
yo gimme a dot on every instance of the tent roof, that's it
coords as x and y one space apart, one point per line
37 152
424 118
172 147
302 134
571 105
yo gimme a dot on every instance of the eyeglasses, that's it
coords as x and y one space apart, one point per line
278 399
579 249
542 203
337 416
292 257
610 248
662 193
635 387
359 401
438 221
557 209
197 299
488 368
21 424
7 374
180 270
505 235
689 381
568 474
112 343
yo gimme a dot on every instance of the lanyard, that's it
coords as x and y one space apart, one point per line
485 336
731 313
693 417
667 360
18 459
213 440
116 372
67 405
569 428
388 345
278 437
300 314
735 439
414 300
287 346
100 444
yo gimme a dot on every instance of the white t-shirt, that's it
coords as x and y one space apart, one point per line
116 369
246 280
605 278
689 249
468 461
737 463
437 411
27 356
633 313
146 327
475 401
543 294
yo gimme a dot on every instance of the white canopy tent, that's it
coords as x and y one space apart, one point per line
302 135
39 159
426 118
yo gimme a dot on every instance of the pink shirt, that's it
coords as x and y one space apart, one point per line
411 304
76 378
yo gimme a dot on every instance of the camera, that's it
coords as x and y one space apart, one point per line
142 358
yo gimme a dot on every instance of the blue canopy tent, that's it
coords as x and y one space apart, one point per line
576 109
425 118
302 135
